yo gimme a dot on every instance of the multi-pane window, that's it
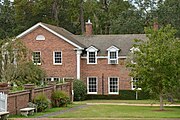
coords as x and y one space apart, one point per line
92 57
37 58
57 57
113 55
135 84
113 59
92 85
113 86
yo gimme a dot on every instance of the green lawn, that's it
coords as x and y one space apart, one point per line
115 111
121 101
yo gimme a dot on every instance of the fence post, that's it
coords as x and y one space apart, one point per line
30 87
70 80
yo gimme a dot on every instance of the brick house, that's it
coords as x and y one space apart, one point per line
98 60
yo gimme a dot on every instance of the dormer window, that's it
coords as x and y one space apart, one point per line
91 55
40 37
112 55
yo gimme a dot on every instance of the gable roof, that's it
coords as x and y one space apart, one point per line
102 42
58 31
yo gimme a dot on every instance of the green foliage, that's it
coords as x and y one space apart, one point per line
59 98
168 13
42 102
29 73
15 67
157 61
79 90
123 95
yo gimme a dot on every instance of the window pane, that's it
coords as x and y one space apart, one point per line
36 57
92 57
92 85
113 55
57 57
113 84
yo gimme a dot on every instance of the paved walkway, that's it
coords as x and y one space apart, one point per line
131 104
62 111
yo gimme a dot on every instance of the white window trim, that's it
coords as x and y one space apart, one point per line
95 57
132 85
88 85
113 49
112 59
91 49
40 38
40 58
54 58
112 93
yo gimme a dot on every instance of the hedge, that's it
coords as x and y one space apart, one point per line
123 95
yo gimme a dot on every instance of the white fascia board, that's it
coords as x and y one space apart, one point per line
55 33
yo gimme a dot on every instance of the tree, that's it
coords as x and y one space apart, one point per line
15 65
7 19
168 13
157 61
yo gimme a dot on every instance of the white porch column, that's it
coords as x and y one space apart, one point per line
78 53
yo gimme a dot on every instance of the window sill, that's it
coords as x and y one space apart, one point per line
114 93
91 93
37 63
91 63
57 63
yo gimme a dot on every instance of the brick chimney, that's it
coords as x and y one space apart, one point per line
89 28
155 26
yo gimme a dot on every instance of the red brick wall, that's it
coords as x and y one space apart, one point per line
47 46
103 68
19 100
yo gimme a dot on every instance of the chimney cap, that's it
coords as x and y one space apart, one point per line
89 22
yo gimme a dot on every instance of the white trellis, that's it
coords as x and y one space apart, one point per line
3 102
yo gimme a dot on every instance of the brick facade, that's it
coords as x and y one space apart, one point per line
102 70
46 47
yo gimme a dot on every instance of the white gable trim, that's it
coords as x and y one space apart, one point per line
113 48
92 49
55 33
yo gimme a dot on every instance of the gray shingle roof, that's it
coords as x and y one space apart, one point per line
64 33
102 42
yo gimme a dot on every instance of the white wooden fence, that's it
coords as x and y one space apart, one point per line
3 102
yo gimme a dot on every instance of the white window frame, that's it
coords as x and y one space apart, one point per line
33 58
113 49
88 85
91 49
132 84
54 58
113 93
40 38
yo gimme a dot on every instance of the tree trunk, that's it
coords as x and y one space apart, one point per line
82 16
161 101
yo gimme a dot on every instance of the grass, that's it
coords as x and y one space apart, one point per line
114 111
121 101
50 110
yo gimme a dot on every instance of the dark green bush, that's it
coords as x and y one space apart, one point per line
123 95
42 102
59 99
79 90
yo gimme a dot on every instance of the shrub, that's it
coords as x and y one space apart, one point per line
42 102
79 90
59 99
